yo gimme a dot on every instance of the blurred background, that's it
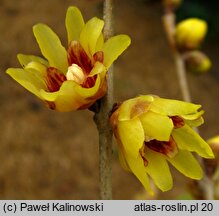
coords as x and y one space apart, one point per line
50 155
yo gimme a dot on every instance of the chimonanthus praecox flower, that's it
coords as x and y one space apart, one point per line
190 33
152 131
74 78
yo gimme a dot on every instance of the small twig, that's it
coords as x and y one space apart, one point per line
101 119
206 184
181 72
169 24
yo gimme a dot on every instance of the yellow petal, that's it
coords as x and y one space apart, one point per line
156 126
74 23
100 43
131 134
194 120
122 158
71 96
173 107
187 139
97 69
28 79
134 107
90 35
114 47
26 59
158 170
125 109
66 99
51 47
87 93
137 167
193 116
41 70
195 123
185 162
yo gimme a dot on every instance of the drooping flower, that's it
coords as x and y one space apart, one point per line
190 33
72 78
152 131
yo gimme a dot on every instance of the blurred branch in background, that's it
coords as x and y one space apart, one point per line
169 19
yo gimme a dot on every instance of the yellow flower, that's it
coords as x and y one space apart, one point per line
75 78
152 131
190 33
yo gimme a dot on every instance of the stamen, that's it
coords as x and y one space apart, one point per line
76 74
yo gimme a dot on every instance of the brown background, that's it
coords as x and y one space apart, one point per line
50 155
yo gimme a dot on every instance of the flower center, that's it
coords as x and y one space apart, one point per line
76 74
178 122
54 79
168 148
77 55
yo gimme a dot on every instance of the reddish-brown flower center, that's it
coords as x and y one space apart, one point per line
168 148
54 79
80 66
77 56
178 122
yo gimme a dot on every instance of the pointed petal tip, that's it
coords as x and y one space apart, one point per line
11 71
19 55
114 47
8 71
127 38
74 23
73 8
51 47
37 28
210 154
90 34
38 25
165 189
198 176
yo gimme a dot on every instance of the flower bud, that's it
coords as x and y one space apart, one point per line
76 74
197 62
190 33
214 143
